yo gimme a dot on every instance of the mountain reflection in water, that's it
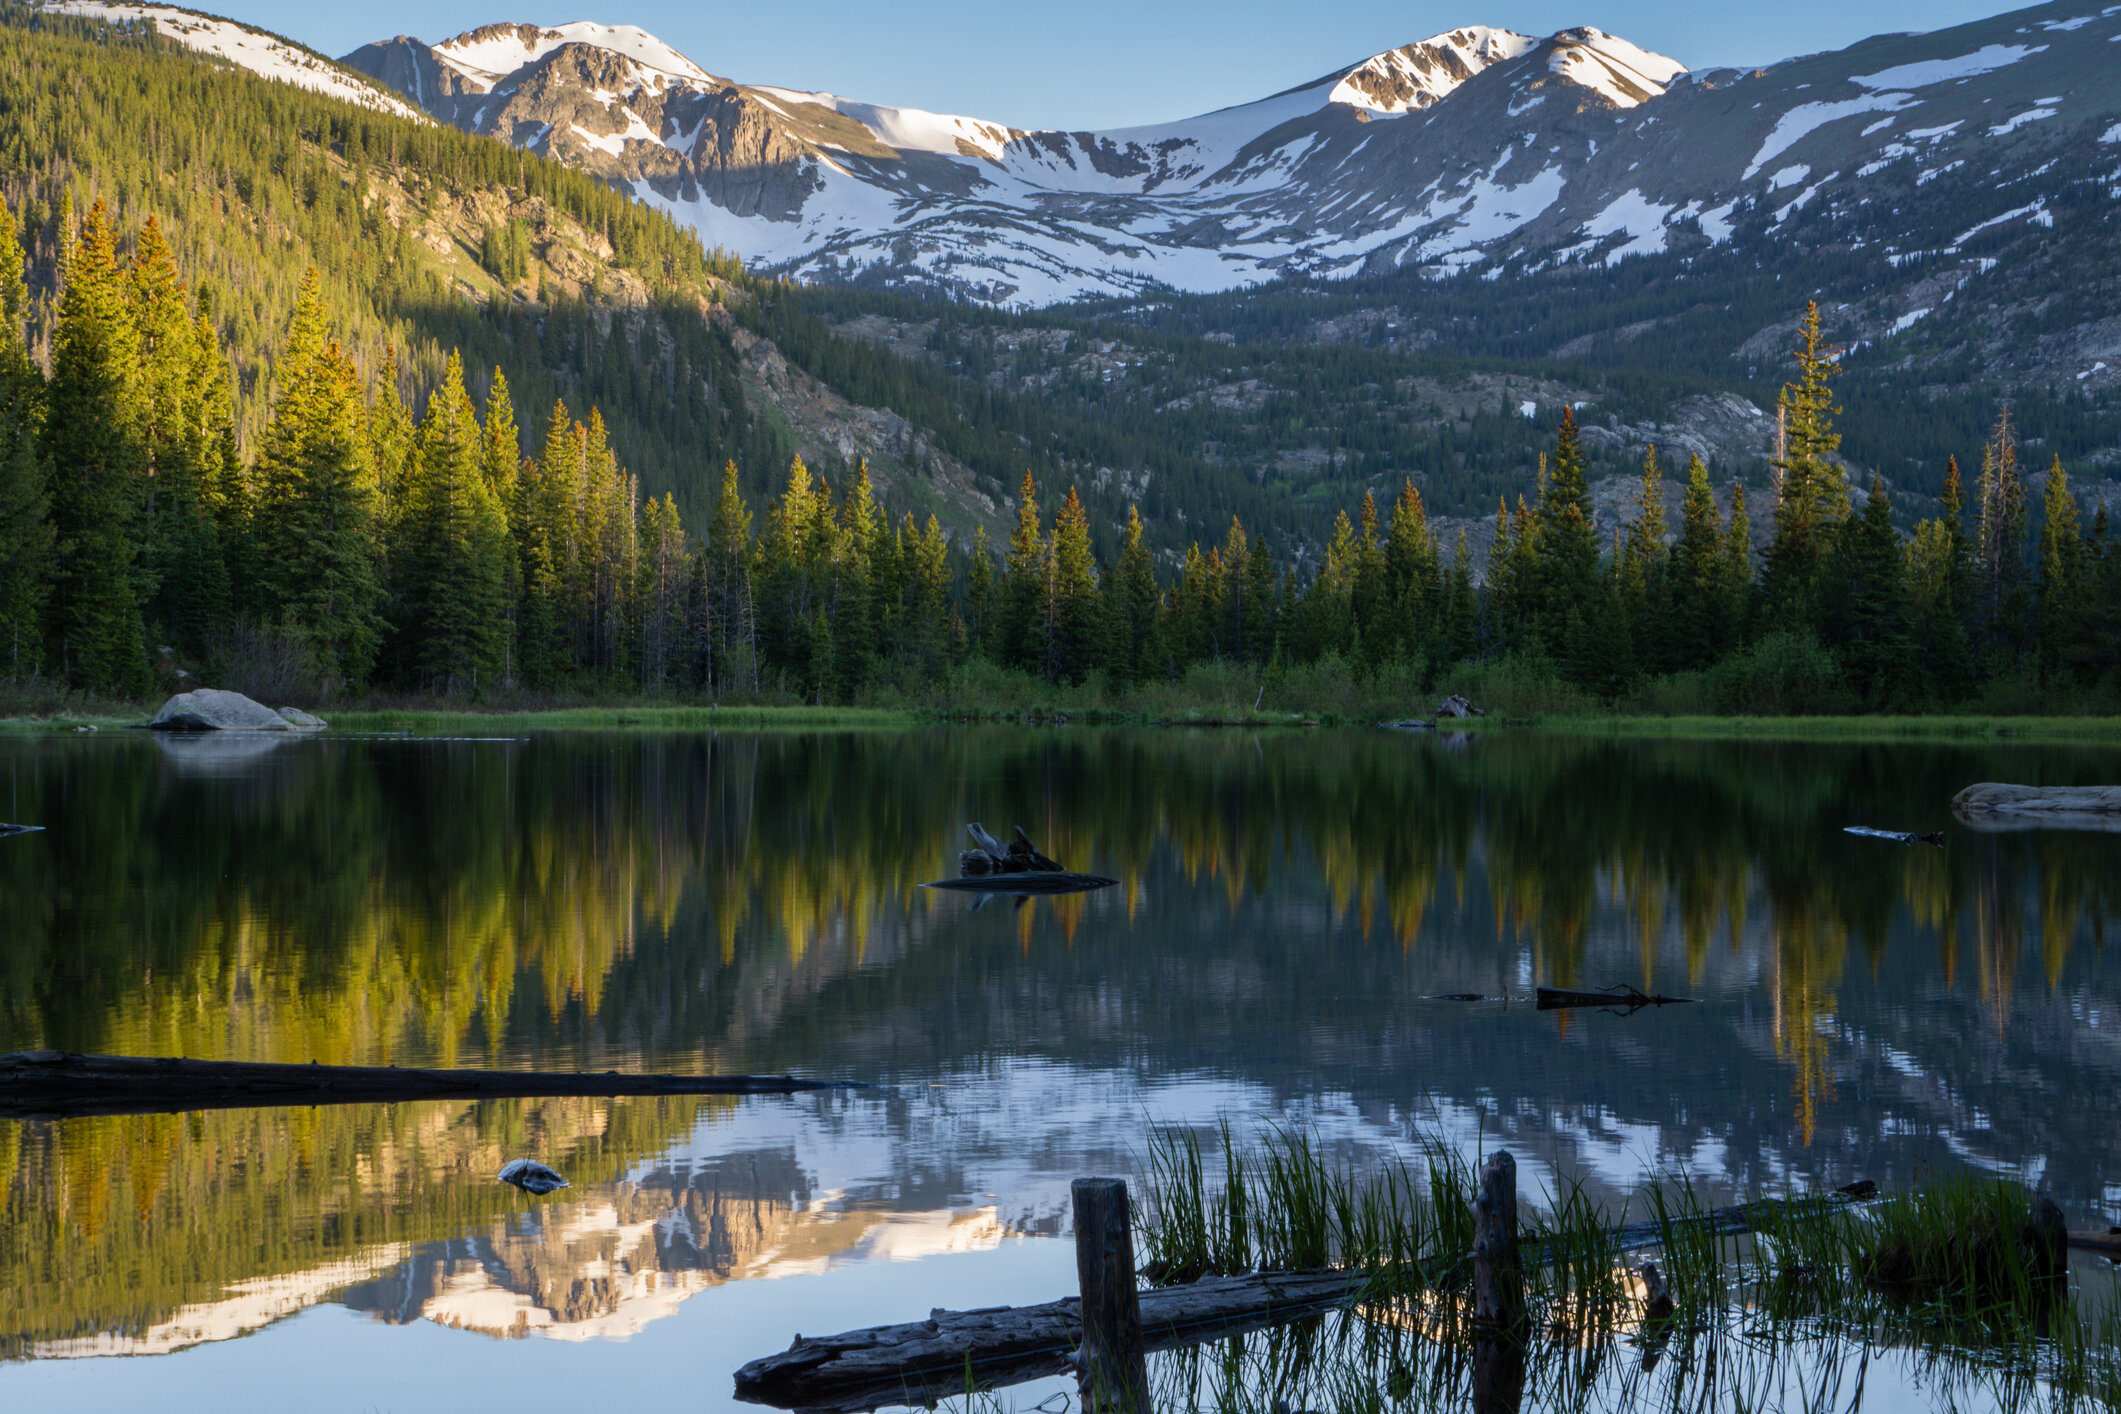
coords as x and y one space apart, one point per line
751 903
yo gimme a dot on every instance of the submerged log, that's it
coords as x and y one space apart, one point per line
1630 998
921 1360
58 1084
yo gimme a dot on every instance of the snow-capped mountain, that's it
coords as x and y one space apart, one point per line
1476 150
254 49
1479 150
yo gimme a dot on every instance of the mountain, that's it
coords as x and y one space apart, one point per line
263 53
1478 149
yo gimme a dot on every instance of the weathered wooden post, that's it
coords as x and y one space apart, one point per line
1498 1271
1113 1366
1498 1291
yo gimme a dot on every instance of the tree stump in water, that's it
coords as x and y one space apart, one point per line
1113 1365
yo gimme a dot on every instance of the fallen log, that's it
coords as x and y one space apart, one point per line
1042 882
60 1084
1631 998
922 1360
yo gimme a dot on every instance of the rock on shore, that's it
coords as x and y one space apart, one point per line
211 709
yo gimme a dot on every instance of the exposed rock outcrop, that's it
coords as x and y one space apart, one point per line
211 709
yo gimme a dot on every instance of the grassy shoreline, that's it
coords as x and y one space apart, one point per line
472 721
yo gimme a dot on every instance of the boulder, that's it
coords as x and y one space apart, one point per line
210 709
300 720
1990 798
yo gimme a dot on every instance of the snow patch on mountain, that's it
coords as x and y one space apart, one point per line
2012 124
1929 72
265 55
1807 118
1635 216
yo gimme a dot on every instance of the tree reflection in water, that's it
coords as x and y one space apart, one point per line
751 902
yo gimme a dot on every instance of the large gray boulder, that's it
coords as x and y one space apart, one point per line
211 709
1992 798
1991 807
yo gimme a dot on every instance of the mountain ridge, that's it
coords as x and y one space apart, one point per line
1478 147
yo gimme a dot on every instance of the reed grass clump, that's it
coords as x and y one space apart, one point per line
1958 1290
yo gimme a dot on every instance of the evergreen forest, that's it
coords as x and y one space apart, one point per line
323 403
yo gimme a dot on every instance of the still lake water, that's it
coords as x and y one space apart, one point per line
751 902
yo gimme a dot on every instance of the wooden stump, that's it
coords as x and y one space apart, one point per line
1112 1365
1498 1270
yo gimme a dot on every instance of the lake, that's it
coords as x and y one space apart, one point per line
1289 903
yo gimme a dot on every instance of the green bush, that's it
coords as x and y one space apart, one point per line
1784 674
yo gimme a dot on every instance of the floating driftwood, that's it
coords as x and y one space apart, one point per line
1896 836
1016 868
1629 998
1993 807
1059 882
55 1084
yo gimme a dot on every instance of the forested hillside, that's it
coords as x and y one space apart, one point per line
427 240
315 400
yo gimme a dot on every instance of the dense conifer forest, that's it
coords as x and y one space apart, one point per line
257 427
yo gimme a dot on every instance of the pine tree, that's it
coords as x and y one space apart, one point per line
26 539
319 567
1078 624
1134 654
450 576
1942 593
1461 607
92 439
1812 495
2061 568
1022 639
1999 550
1413 581
1565 543
1736 580
927 633
1694 607
982 613
181 545
1327 614
390 433
1869 627
728 557
665 571
1644 572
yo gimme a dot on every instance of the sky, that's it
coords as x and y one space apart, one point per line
1101 63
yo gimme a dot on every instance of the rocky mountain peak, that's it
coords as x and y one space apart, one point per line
1417 75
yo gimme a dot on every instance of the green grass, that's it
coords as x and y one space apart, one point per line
1939 1281
1845 728
454 722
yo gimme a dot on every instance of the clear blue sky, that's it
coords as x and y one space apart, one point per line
1102 63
